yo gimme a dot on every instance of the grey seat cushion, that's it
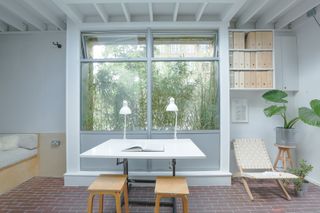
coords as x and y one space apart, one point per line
13 156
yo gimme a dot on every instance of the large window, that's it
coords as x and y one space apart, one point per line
115 68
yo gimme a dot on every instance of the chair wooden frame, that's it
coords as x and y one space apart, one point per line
247 151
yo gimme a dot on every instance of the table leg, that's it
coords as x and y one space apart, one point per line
173 163
125 166
174 201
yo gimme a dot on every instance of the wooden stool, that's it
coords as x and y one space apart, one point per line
172 187
284 155
113 185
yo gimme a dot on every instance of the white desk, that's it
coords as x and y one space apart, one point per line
173 149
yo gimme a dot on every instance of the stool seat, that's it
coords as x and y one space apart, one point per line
113 185
171 185
285 146
107 183
284 155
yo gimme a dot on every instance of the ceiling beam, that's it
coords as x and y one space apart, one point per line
102 14
165 25
9 19
125 12
271 15
19 11
146 1
73 15
46 13
296 12
251 12
175 12
236 6
150 11
200 11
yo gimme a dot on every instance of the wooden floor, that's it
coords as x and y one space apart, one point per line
41 194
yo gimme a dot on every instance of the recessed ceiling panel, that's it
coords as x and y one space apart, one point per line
84 9
216 9
189 8
138 8
163 8
113 9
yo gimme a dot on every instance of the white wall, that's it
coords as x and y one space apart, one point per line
32 83
259 126
308 34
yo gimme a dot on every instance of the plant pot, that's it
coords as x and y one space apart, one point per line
285 136
304 189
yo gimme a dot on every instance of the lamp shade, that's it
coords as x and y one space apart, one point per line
172 107
125 110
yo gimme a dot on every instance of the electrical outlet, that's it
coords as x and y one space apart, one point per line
55 143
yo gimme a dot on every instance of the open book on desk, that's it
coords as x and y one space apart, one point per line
145 148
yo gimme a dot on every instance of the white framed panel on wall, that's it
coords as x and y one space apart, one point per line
239 110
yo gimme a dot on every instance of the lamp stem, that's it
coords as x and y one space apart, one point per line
125 127
175 126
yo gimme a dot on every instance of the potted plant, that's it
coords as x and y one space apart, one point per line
300 184
285 134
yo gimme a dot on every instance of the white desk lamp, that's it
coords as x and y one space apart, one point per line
172 107
125 110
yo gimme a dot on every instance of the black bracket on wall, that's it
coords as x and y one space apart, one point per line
57 44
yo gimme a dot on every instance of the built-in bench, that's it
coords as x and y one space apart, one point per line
18 159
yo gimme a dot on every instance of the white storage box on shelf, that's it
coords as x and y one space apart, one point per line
18 159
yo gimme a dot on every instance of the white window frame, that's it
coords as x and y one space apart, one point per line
73 82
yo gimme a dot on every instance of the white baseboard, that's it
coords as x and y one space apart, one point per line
312 180
195 178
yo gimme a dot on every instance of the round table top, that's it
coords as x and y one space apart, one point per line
285 146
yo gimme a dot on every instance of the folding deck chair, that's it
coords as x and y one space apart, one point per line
254 163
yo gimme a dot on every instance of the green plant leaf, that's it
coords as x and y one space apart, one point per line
315 105
308 116
276 96
292 122
274 110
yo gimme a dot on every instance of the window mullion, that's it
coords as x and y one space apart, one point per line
149 82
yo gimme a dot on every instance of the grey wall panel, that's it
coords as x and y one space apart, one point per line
32 83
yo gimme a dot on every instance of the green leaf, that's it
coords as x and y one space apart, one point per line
274 110
292 122
315 105
276 96
308 116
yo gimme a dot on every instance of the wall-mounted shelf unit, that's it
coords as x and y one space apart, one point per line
251 56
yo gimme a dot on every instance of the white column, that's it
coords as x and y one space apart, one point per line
73 97
224 98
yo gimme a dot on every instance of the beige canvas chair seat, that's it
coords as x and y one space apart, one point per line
268 175
251 155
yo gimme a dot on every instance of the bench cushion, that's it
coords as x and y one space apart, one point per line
8 142
13 156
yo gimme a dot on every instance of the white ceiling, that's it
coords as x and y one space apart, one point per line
48 15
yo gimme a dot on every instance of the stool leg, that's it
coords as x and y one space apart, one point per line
90 202
290 158
126 199
185 204
100 203
275 165
284 160
117 197
157 206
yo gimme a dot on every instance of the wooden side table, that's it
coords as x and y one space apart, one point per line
284 155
